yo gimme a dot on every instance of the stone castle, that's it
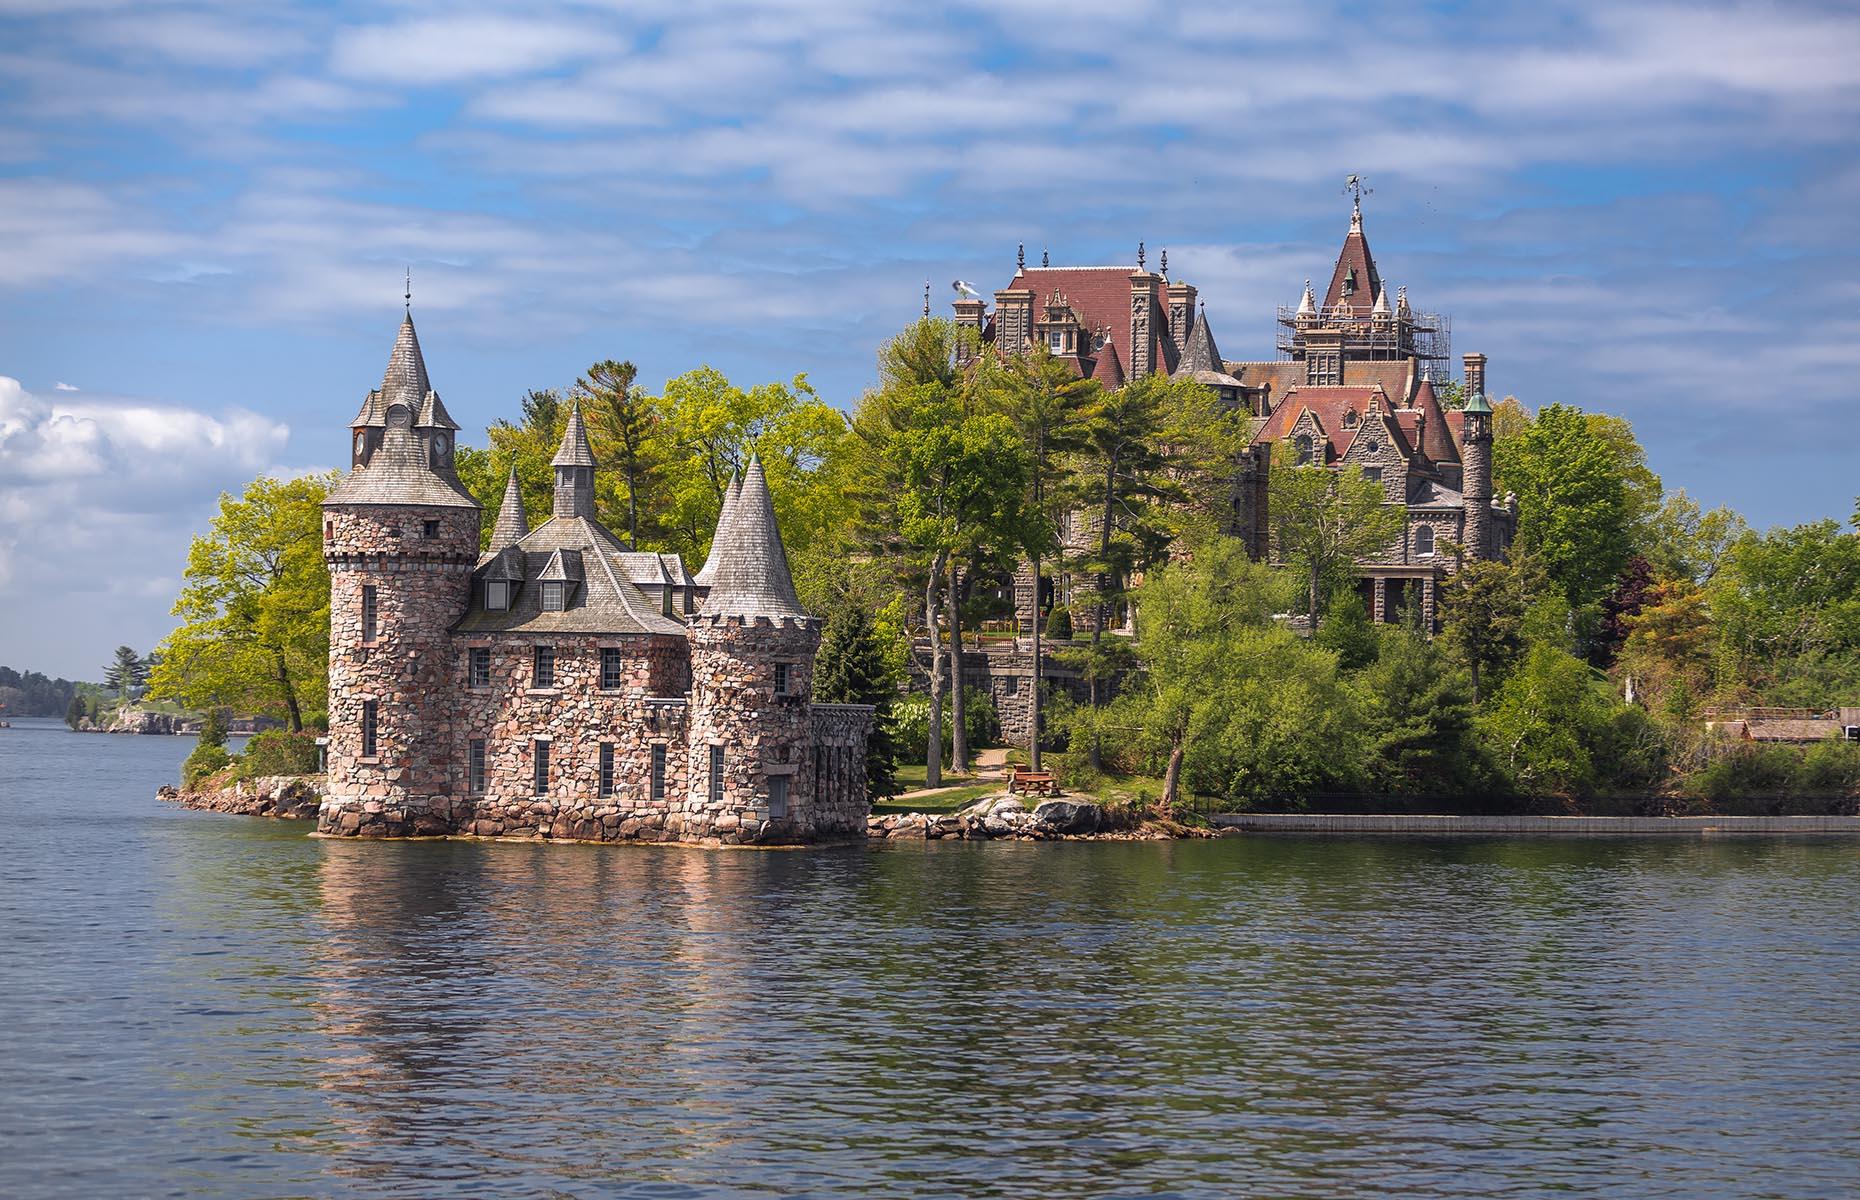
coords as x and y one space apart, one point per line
1360 381
559 683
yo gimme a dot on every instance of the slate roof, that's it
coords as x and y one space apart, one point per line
562 548
400 473
709 570
751 577
1355 256
1200 359
1436 438
513 524
405 381
575 451
433 414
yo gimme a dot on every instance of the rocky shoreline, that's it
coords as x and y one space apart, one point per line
992 818
285 797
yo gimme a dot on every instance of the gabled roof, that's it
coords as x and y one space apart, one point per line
709 570
400 473
1327 404
575 451
752 578
567 549
433 414
513 524
1355 259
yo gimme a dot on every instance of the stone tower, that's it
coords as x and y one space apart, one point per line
1476 462
400 535
752 666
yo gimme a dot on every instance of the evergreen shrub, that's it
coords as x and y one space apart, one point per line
278 752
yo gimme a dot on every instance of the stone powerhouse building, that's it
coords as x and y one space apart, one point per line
560 684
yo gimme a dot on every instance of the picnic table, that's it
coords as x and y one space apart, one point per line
1041 782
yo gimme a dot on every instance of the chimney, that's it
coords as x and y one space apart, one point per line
1181 314
1475 374
1013 319
1145 298
970 315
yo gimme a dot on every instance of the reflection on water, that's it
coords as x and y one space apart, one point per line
210 1006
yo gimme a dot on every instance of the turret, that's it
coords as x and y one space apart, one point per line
752 666
400 538
574 471
1476 464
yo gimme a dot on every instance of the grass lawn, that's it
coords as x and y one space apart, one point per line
911 777
939 802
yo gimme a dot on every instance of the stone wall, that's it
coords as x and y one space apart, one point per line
1004 670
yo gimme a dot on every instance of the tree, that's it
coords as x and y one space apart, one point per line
124 672
1324 521
1574 508
527 446
74 713
1787 597
851 669
1484 608
1348 634
209 753
254 606
1044 399
1418 715
1189 616
1544 720
626 422
1668 650
1687 542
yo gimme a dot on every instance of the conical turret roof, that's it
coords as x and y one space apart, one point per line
575 451
513 524
1355 281
405 381
709 570
752 578
1107 370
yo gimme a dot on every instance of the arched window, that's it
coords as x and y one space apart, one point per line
1304 449
1424 541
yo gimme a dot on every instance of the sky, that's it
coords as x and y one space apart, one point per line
206 211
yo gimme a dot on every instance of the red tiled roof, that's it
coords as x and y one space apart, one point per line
1355 256
1327 404
1436 439
1101 298
1108 371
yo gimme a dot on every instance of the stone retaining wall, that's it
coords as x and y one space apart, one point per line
1370 823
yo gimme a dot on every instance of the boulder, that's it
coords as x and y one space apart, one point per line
1068 816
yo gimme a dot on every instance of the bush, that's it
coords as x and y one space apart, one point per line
210 755
1830 766
278 752
1746 769
911 723
1059 624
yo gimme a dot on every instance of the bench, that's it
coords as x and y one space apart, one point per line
1041 782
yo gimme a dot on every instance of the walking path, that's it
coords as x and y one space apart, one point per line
990 767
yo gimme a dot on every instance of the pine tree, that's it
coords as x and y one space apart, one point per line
850 669
124 672
74 715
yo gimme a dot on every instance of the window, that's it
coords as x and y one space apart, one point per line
553 596
607 769
1010 686
474 767
1424 541
369 612
716 774
784 678
778 797
542 767
613 667
368 729
544 673
1056 340
1373 474
658 771
430 529
480 671
1350 418
1373 446
1304 449
496 595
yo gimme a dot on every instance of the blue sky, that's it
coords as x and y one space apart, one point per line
205 211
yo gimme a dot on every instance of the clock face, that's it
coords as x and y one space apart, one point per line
361 441
440 443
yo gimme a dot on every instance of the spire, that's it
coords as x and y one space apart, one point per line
1307 307
709 570
1381 308
1199 353
926 299
1046 260
405 381
513 524
1165 262
1355 281
1020 258
1108 370
574 451
752 578
1139 256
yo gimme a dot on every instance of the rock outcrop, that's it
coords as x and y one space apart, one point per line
290 797
1004 816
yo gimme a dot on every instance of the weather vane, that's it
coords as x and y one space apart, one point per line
409 294
1354 187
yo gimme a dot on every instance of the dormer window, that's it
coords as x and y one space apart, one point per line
1056 340
1350 419
496 595
554 596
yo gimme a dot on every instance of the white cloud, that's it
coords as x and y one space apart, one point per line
449 49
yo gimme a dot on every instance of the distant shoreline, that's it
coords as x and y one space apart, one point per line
1408 824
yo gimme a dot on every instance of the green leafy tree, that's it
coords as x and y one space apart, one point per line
1485 608
1544 720
1418 716
1686 542
124 672
1324 521
1787 606
1046 402
254 606
526 445
851 669
1575 510
209 754
1348 633
74 713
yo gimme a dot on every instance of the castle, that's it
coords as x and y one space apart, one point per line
560 683
1357 384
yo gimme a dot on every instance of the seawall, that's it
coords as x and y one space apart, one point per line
1358 824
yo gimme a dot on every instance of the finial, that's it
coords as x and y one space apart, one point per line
1045 259
1020 259
408 297
1139 256
1165 261
926 299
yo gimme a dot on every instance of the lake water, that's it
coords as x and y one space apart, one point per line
200 1005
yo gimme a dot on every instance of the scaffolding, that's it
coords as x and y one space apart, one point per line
1367 336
